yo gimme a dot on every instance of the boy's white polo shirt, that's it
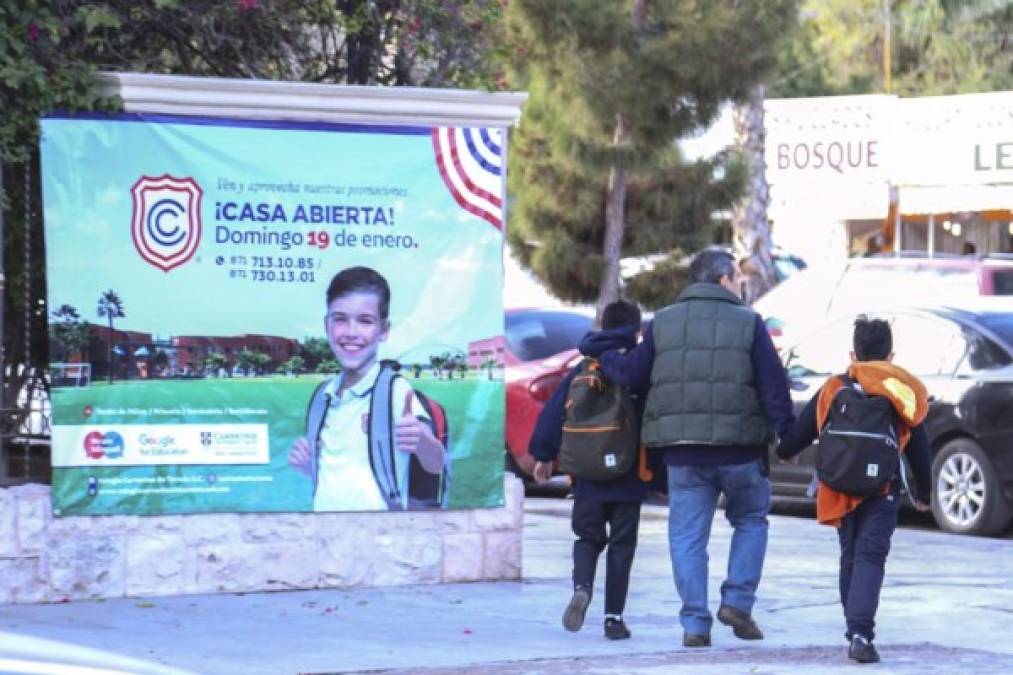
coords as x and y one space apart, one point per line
345 480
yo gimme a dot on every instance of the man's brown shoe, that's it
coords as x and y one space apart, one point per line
742 624
694 640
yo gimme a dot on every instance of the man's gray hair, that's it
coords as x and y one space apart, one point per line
709 266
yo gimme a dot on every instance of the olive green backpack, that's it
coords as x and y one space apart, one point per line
601 437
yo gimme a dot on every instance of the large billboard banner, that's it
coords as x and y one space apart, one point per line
255 316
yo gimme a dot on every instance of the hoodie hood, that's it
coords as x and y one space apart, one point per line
905 391
598 342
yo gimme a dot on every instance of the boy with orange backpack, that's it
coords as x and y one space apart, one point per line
864 420
575 420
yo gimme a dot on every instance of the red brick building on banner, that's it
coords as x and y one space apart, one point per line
139 355
192 350
480 351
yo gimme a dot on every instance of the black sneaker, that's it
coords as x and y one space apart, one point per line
742 624
573 617
696 640
615 629
862 650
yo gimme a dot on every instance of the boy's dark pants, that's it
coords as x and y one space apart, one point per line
865 542
589 519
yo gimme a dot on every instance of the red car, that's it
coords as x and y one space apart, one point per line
541 350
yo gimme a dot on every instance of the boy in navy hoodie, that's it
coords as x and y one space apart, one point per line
597 504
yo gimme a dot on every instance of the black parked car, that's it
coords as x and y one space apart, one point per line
965 358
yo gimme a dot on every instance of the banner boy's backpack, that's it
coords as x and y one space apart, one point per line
858 453
601 436
425 490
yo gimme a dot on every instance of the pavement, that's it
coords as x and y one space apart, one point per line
947 606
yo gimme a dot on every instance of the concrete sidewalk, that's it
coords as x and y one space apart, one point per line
947 605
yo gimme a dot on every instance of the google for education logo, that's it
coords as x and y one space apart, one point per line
98 445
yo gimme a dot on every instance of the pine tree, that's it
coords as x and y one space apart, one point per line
594 170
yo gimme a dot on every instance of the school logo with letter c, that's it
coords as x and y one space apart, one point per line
166 223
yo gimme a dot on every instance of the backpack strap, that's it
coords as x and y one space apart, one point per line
381 437
850 382
589 369
315 414
426 490
846 383
382 445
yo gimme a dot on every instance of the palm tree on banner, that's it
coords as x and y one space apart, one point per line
111 307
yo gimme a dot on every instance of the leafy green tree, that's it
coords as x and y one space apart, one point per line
161 360
294 364
936 47
110 306
436 364
41 44
253 362
314 351
595 175
246 359
452 363
69 332
38 74
215 361
841 47
261 363
329 366
50 49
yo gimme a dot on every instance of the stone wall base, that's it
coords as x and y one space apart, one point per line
46 559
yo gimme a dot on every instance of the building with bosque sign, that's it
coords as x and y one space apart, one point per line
858 175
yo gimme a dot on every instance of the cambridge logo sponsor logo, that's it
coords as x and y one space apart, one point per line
166 222
98 445
223 439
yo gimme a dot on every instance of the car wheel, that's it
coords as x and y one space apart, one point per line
967 498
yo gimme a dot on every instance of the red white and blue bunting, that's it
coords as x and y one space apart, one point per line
470 161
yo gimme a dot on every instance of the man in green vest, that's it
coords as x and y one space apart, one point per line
716 394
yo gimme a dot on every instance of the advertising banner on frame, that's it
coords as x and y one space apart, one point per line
255 316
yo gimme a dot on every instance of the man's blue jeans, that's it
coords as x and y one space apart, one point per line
693 496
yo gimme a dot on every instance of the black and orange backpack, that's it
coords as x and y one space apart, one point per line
601 436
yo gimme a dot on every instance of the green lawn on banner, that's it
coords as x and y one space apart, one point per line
475 410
